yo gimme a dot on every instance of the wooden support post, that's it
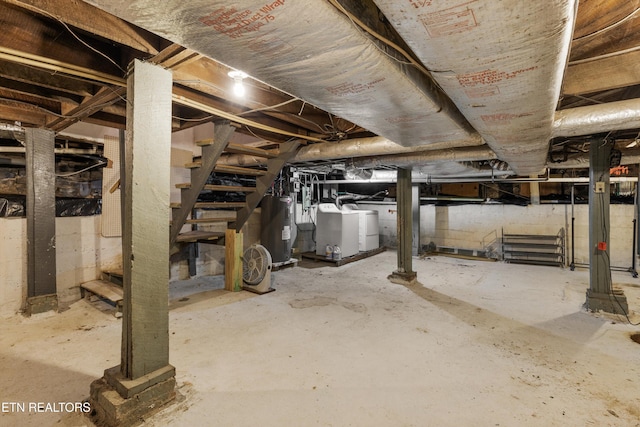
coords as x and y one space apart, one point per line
405 272
41 222
144 380
233 260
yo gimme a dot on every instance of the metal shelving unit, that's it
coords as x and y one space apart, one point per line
534 248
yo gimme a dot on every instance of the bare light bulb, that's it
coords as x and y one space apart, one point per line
238 85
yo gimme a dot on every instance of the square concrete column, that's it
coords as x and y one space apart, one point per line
41 221
144 380
405 272
601 295
415 218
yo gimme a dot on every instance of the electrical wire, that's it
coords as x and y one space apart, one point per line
608 27
604 56
81 170
269 107
362 26
505 191
184 119
44 12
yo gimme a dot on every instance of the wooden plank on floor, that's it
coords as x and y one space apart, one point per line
104 289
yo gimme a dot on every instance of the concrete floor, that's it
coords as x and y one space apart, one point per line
477 343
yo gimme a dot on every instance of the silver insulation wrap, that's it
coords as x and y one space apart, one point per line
501 62
597 118
310 50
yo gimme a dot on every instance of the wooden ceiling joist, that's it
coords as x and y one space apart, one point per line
93 20
603 74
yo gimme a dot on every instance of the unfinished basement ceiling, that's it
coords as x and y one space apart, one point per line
419 76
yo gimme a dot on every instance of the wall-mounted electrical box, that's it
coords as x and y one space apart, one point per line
599 187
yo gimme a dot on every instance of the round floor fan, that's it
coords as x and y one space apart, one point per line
256 269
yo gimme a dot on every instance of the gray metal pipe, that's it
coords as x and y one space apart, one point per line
351 148
417 159
629 157
599 118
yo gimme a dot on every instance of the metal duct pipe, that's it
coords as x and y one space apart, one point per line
378 175
418 175
361 147
357 197
501 62
599 118
313 51
376 146
629 157
417 159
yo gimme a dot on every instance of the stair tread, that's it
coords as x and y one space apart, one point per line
228 169
219 205
210 220
239 170
203 142
104 289
196 235
114 272
177 205
216 187
251 151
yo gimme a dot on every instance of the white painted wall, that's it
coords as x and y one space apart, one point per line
81 250
81 254
466 226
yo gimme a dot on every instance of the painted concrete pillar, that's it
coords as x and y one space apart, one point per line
41 221
415 218
637 215
405 272
600 295
144 380
534 188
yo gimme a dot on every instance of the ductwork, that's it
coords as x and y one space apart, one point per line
313 51
432 173
629 157
597 118
426 157
500 62
350 148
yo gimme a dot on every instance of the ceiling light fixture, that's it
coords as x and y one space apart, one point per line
238 85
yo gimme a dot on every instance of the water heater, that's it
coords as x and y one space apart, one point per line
276 227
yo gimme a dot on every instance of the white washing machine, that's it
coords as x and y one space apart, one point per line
336 227
368 228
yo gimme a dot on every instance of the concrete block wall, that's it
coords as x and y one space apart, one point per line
81 250
13 264
81 254
467 226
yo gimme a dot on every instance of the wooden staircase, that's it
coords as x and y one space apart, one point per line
201 170
234 215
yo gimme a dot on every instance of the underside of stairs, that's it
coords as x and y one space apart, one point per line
238 190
